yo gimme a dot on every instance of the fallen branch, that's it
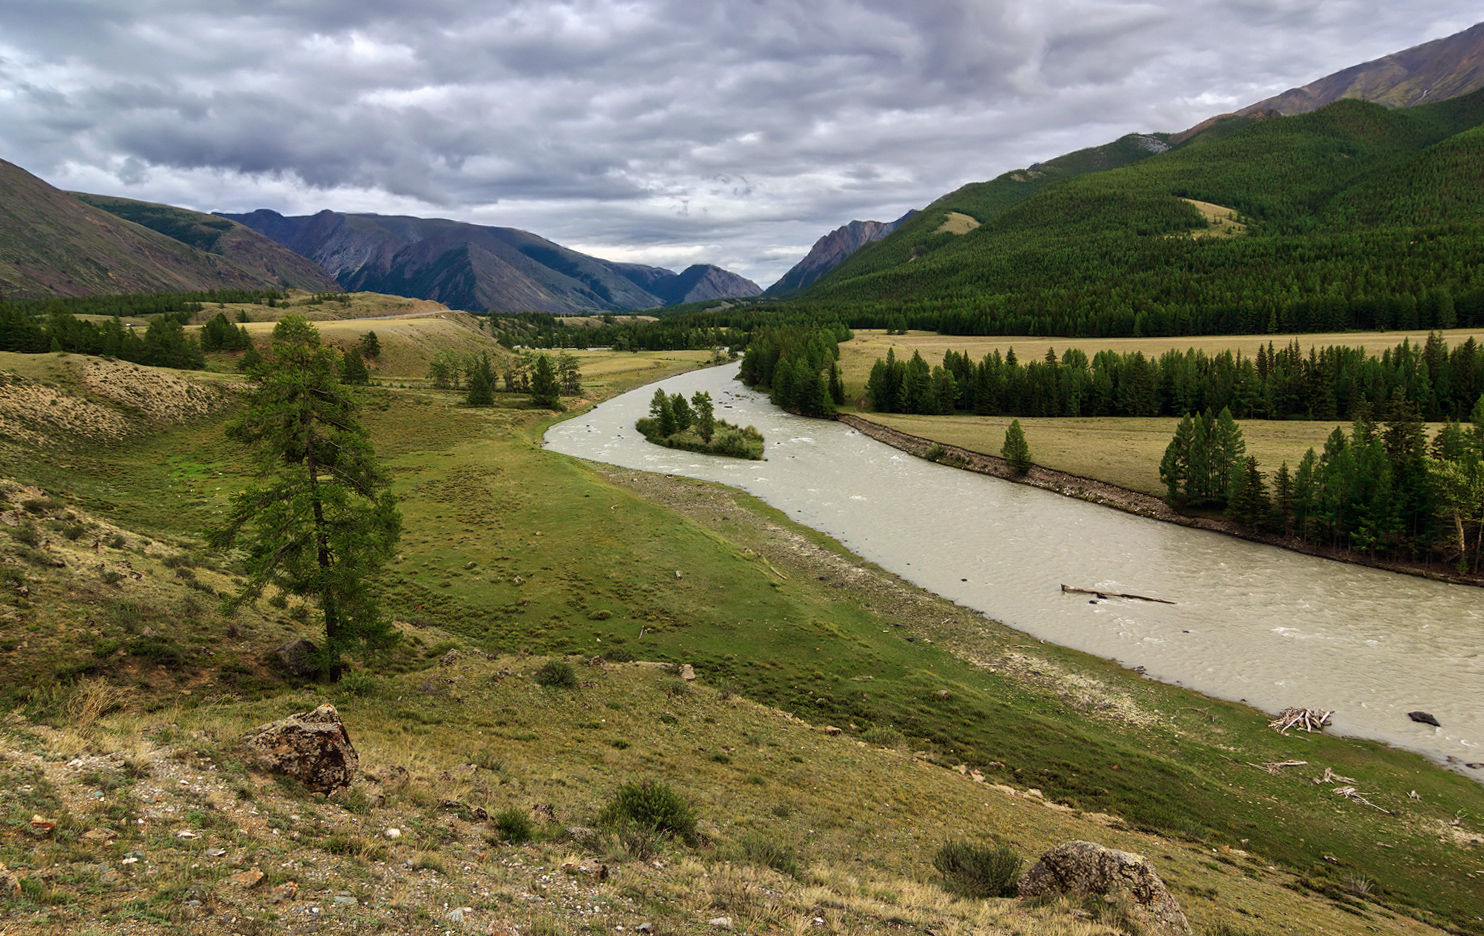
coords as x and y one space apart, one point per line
1109 594
1349 792
1273 767
1331 777
1307 719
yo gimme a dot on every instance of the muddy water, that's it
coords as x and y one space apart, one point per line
1249 621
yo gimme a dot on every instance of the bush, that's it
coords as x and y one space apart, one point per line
514 826
25 533
358 683
883 735
619 655
651 805
979 870
760 848
557 673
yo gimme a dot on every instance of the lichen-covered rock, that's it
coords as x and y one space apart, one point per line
312 747
299 657
1087 869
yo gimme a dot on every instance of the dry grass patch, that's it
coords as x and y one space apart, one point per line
957 223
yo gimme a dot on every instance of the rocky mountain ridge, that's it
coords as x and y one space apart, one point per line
482 268
831 250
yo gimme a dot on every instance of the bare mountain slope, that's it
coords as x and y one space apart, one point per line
221 236
487 269
831 250
1433 71
53 244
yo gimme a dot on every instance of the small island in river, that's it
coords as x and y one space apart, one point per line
675 423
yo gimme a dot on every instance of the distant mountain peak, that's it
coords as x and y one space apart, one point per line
831 250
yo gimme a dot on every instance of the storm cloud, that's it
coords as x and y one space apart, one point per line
659 131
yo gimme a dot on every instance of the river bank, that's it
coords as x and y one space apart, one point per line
1133 502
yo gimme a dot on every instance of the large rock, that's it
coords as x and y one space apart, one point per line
1087 869
312 747
299 657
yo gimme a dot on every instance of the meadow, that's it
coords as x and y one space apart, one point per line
526 555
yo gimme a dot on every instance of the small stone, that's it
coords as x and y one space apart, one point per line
645 928
687 672
251 878
285 892
942 693
346 900
1423 718
720 922
187 834
393 833
96 836
831 730
215 852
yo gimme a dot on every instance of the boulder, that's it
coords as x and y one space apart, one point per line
687 672
1086 869
298 657
312 747
1424 718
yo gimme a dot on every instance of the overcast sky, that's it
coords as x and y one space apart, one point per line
660 131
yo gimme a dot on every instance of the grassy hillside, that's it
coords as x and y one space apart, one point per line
217 235
1355 217
509 549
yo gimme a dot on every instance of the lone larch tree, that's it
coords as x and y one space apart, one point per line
322 520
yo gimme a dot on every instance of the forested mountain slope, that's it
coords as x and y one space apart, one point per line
1354 216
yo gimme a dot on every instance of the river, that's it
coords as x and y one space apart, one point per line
1250 622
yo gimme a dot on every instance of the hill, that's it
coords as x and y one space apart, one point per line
225 238
52 243
481 268
832 250
1353 216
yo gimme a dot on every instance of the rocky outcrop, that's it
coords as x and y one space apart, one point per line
312 747
831 250
1087 869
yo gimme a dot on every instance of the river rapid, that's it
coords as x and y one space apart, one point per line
1250 622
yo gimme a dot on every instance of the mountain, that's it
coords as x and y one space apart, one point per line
52 243
481 268
831 250
223 237
945 220
1433 71
1351 216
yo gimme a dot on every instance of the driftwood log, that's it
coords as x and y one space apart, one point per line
1303 718
1109 594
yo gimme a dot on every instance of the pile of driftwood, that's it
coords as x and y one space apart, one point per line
1307 719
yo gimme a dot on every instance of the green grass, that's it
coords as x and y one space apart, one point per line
579 560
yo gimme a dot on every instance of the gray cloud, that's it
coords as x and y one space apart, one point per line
662 130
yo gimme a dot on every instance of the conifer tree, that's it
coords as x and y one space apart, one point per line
544 390
1015 451
681 412
322 521
353 369
1248 504
1174 468
705 415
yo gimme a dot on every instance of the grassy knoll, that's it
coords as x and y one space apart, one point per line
512 550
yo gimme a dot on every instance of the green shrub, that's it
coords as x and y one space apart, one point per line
978 870
761 848
883 735
557 674
619 655
118 542
514 826
25 533
44 505
652 805
158 650
358 683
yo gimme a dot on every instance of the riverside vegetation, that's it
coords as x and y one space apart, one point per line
693 426
528 556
